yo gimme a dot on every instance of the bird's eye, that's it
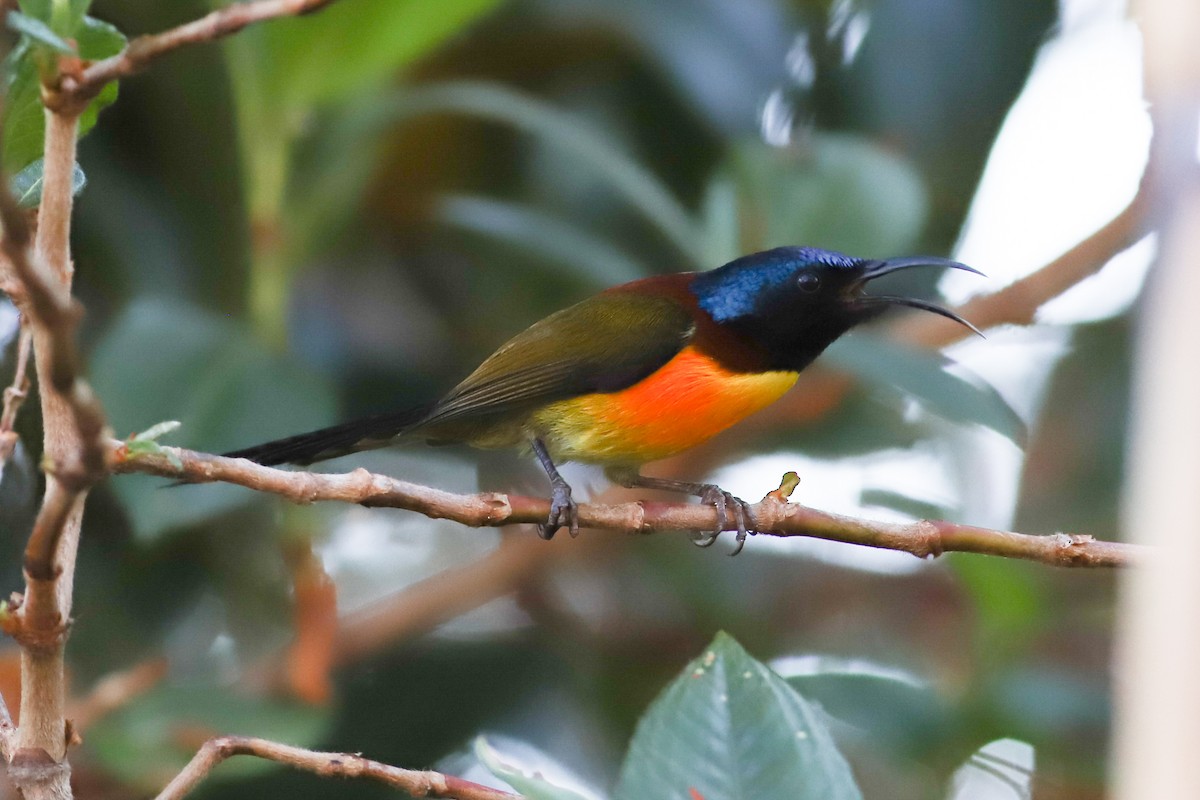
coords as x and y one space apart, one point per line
808 282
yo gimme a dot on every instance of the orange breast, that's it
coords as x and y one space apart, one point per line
688 400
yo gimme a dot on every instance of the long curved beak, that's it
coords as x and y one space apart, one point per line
878 269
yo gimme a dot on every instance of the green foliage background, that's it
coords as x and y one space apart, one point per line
339 214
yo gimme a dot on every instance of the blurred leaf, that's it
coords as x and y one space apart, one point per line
350 47
19 495
1053 700
38 32
594 259
27 184
157 431
841 192
63 17
167 360
147 742
926 376
878 703
1000 770
729 728
24 121
721 57
1009 600
532 786
722 239
913 507
283 71
628 178
98 40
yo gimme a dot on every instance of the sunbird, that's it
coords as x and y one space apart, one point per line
640 372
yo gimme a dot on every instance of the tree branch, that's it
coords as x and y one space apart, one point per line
74 426
1018 303
7 731
339 765
15 395
774 515
115 691
75 89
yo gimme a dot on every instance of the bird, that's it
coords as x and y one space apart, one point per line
639 372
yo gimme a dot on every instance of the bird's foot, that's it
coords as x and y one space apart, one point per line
564 513
725 502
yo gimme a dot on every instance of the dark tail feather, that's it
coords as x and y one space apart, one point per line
339 440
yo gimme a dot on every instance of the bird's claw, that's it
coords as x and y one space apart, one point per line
723 501
564 513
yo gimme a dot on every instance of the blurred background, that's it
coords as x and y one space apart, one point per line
341 214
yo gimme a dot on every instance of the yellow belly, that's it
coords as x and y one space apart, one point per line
687 401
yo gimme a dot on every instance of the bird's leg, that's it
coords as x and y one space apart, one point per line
709 493
563 511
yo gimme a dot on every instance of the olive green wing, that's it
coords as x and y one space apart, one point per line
603 344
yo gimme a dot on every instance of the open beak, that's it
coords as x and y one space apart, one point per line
877 269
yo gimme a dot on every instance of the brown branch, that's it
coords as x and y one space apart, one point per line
115 691
77 88
7 731
73 423
336 765
774 516
423 606
1018 303
14 396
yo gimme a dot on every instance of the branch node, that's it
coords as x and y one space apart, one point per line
71 737
38 639
32 766
497 507
637 517
929 541
38 570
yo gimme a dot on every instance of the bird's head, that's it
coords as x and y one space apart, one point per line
793 302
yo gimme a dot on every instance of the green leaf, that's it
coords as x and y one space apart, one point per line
351 47
531 786
839 191
24 120
158 430
166 360
640 187
27 184
592 257
24 117
728 728
1000 770
912 506
925 375
98 40
147 742
1008 599
63 16
38 32
146 442
877 703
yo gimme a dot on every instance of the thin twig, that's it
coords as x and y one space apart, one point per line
774 516
338 765
115 691
15 395
1018 303
7 729
77 88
